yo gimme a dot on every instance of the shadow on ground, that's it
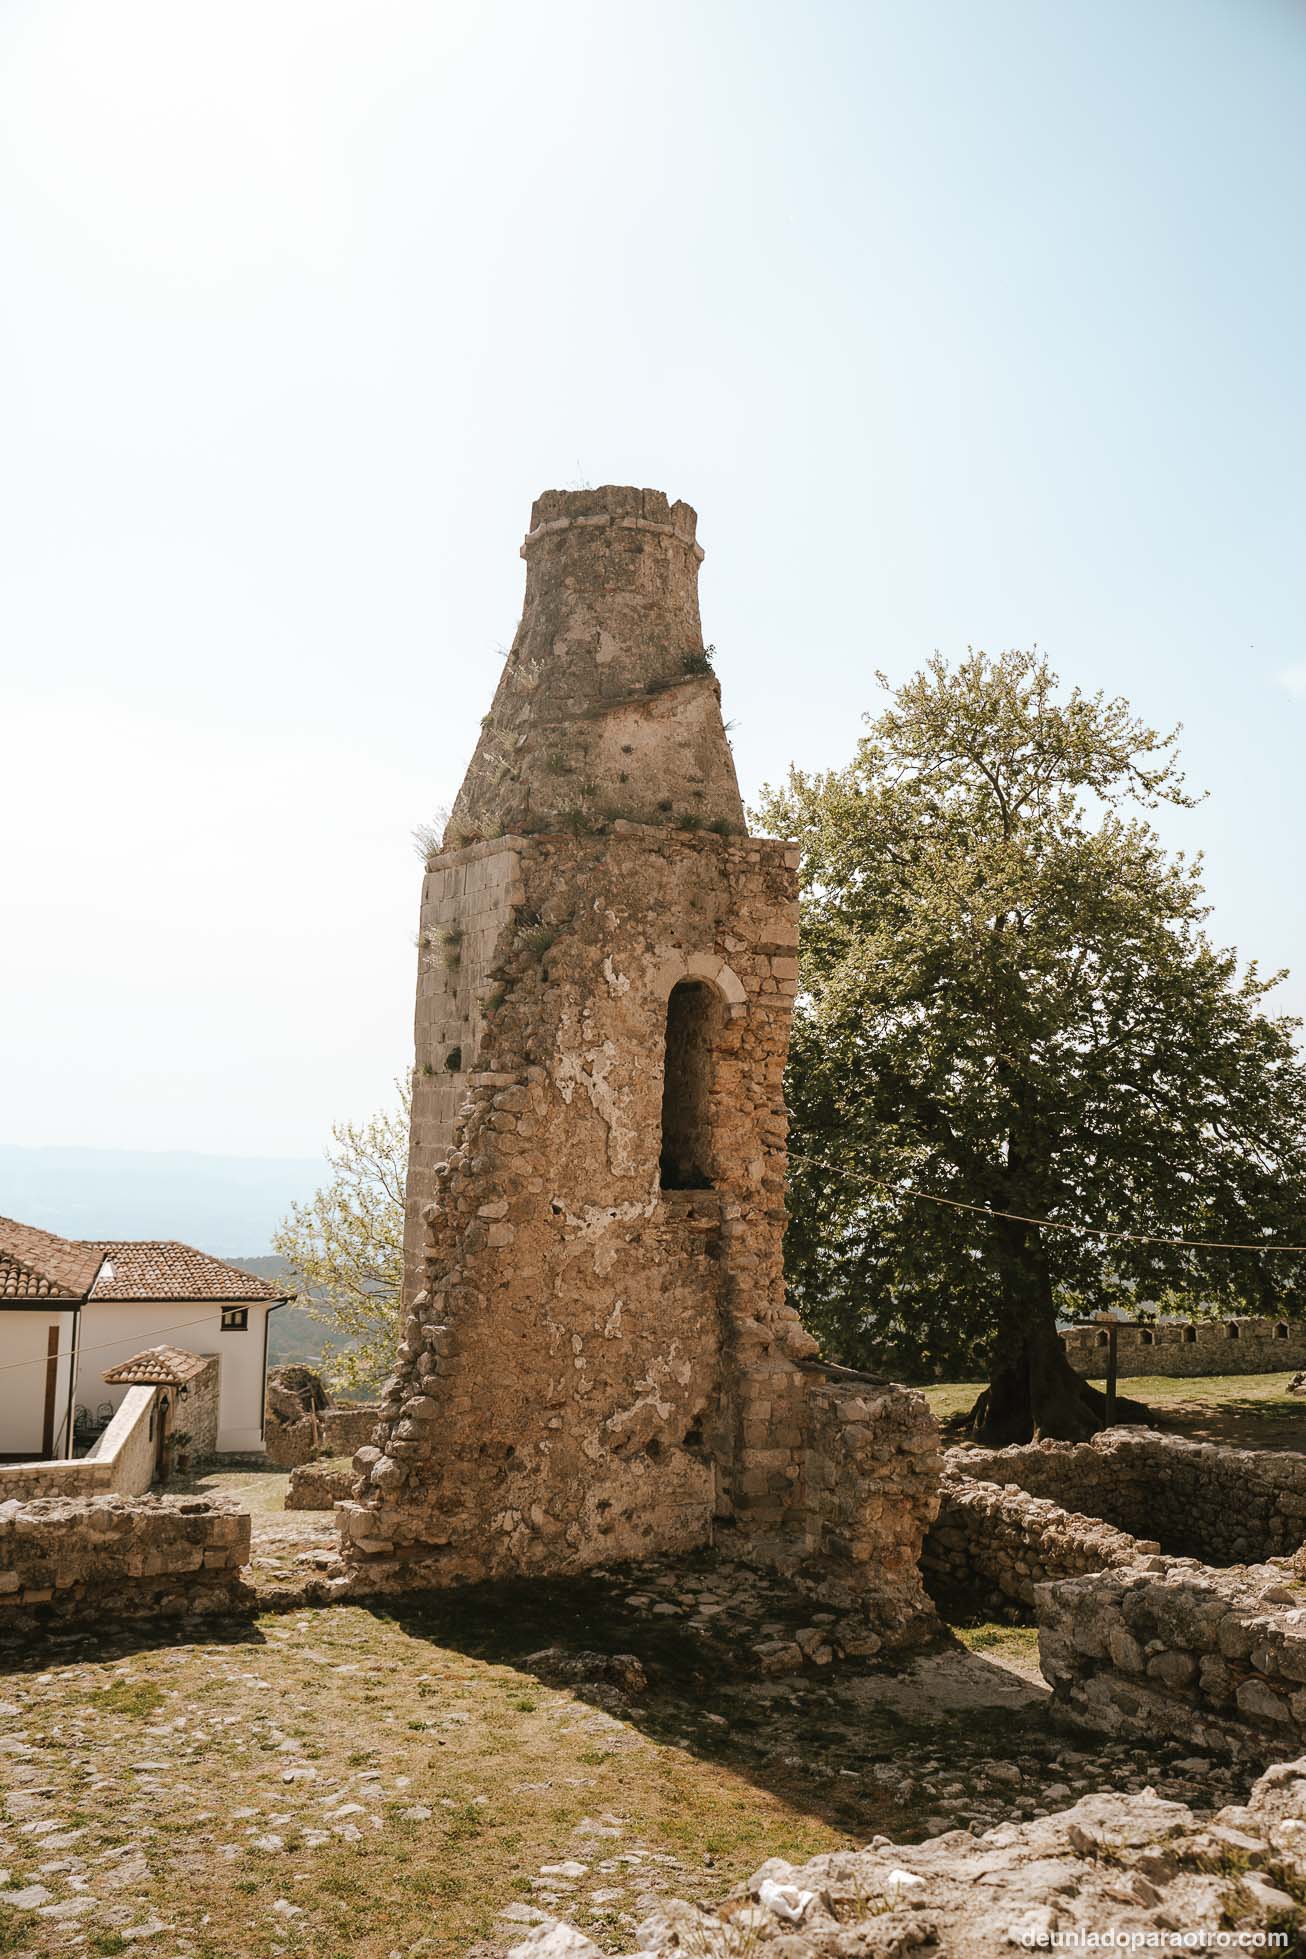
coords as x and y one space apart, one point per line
947 1736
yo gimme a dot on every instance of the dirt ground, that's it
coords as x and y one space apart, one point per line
354 1783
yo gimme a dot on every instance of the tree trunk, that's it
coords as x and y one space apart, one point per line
1033 1392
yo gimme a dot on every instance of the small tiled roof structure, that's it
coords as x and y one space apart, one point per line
156 1367
38 1265
162 1268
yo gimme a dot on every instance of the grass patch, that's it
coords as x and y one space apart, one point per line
135 1697
260 1491
1244 1411
297 1744
398 1775
1019 1643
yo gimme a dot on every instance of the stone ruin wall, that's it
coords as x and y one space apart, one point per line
598 1368
594 1366
81 1562
1224 1506
319 1485
992 1545
1167 1647
330 1432
567 1364
871 1490
1237 1346
197 1415
1132 1641
470 899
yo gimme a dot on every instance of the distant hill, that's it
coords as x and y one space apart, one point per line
223 1204
293 1334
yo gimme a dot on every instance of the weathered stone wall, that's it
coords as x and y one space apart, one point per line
469 899
597 1366
1166 1646
323 1431
991 1545
607 706
347 1429
1237 1346
122 1460
319 1485
197 1415
598 1361
871 1480
1225 1506
87 1560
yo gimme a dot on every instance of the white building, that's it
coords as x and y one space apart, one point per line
71 1309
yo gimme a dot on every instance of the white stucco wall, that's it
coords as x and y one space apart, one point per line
24 1351
114 1330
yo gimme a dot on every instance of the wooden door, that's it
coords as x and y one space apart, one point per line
51 1386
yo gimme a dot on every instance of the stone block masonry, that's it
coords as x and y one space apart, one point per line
1198 1499
84 1561
598 1360
470 898
1167 1647
1191 1347
992 1546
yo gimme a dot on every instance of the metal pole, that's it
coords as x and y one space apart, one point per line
73 1359
1112 1330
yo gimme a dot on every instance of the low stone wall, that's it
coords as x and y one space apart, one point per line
1239 1346
109 1557
197 1416
990 1546
122 1460
1168 1647
1224 1506
335 1431
320 1485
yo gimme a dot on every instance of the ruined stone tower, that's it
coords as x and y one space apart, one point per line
598 1360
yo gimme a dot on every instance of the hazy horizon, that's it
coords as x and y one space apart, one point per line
225 1204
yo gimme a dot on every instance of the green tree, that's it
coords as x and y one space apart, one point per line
1008 999
347 1245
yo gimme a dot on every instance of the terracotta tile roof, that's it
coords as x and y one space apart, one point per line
156 1367
161 1268
38 1265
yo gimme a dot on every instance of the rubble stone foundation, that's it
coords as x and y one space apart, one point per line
1199 1499
992 1545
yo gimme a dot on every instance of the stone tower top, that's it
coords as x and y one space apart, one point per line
608 707
615 503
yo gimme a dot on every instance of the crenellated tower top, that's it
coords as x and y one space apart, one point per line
608 707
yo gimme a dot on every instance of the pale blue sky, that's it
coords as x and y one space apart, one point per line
957 323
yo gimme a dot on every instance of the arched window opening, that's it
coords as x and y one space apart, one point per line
1190 1335
693 1023
1104 1339
1147 1338
1281 1331
1233 1329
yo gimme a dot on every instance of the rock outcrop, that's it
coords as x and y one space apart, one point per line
1118 1866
